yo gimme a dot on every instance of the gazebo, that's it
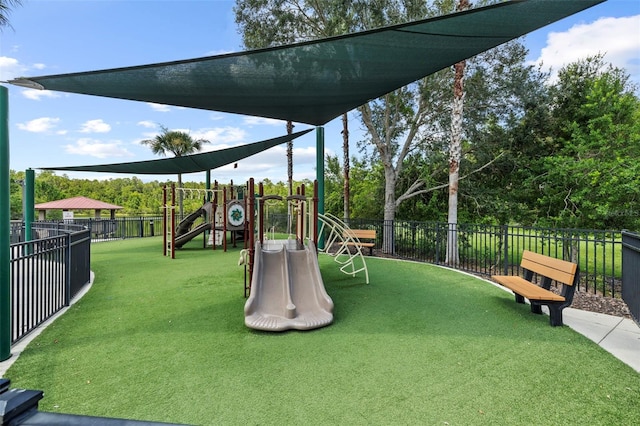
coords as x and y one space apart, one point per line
76 203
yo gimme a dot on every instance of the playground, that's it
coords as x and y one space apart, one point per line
282 278
165 340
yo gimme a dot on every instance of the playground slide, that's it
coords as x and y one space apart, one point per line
287 291
185 224
185 238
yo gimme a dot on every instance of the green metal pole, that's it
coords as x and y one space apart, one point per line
29 202
5 216
320 176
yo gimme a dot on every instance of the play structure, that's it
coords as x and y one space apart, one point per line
282 283
223 213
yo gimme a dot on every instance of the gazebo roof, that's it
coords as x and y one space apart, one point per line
77 203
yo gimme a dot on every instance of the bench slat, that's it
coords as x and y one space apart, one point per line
360 233
556 269
362 244
527 289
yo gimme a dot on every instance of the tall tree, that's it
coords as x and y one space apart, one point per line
5 8
177 143
455 154
591 176
346 188
266 23
290 158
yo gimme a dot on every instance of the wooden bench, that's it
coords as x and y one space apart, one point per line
548 269
358 235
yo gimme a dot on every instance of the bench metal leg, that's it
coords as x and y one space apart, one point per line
555 315
536 308
519 299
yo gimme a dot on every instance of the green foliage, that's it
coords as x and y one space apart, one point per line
592 177
5 8
135 196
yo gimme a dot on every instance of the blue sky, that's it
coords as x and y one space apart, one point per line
59 36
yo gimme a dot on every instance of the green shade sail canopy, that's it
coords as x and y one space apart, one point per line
314 82
188 163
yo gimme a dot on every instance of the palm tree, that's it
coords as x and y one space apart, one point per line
177 143
5 6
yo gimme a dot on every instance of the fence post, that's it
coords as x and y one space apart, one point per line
28 203
67 269
505 244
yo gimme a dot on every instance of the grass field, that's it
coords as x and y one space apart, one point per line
164 340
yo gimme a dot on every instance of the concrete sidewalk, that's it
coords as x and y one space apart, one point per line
618 336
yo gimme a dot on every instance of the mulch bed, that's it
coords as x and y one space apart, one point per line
601 304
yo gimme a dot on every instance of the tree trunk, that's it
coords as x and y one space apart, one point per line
455 150
345 153
455 154
290 170
290 158
180 197
388 241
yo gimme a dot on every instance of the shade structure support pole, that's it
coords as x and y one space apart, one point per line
320 177
5 241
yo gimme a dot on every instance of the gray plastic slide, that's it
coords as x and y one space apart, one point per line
287 291
185 238
185 224
184 233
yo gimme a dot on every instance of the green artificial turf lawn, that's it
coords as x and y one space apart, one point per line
164 340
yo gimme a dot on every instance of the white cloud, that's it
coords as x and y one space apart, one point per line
147 124
10 68
220 137
617 38
271 164
95 126
36 95
39 125
261 121
159 107
96 148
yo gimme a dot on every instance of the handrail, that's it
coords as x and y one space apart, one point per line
337 231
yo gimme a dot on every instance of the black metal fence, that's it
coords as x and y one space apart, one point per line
482 249
631 273
497 249
101 229
122 227
47 273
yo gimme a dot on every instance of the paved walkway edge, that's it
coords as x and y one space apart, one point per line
17 349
